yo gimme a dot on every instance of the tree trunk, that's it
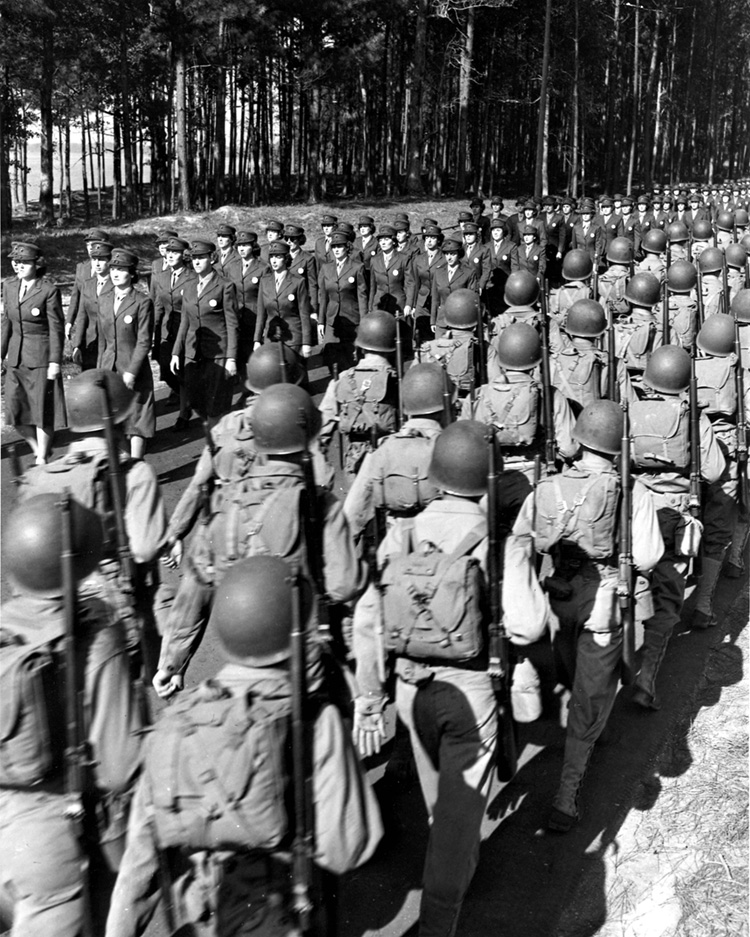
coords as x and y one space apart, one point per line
68 184
220 140
540 177
464 93
46 143
116 168
636 103
613 77
573 176
183 166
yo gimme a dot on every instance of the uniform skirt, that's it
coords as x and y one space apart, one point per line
142 419
32 400
209 387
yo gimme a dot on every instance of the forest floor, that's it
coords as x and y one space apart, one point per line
662 850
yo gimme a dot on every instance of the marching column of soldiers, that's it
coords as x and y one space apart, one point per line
539 420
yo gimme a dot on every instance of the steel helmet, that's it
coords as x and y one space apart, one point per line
252 612
462 309
736 255
586 319
677 232
711 260
702 230
284 420
460 459
84 400
377 332
265 367
620 251
745 241
716 336
599 426
33 543
741 218
725 220
521 289
668 370
422 389
741 306
654 241
643 289
681 277
519 347
577 265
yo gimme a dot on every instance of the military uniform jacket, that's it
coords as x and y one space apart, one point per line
566 233
84 272
591 241
537 223
479 260
208 327
303 264
226 265
645 221
388 283
168 302
246 281
464 278
612 228
125 336
366 252
504 257
533 260
661 220
553 229
323 253
86 328
419 277
700 214
343 297
288 310
33 331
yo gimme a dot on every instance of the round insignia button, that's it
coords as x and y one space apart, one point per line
36 312
505 256
300 270
372 253
290 297
212 303
255 279
395 273
127 320
351 279
476 260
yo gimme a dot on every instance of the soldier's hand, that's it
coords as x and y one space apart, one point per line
256 346
368 733
173 557
321 333
306 349
68 330
231 367
53 371
76 355
174 364
128 380
167 684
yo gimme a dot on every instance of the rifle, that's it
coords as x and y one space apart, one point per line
207 488
699 298
695 442
625 578
743 484
499 667
725 286
481 346
282 363
665 313
447 399
77 756
399 371
313 525
595 283
338 425
303 845
549 412
535 488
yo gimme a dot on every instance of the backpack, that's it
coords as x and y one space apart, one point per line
455 356
32 715
362 405
401 483
580 509
215 767
434 602
514 411
717 388
577 376
612 294
660 433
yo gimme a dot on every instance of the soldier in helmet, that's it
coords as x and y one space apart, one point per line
735 257
513 402
715 369
260 514
224 853
458 350
394 476
740 310
53 831
612 282
363 402
711 268
702 237
447 704
683 308
579 368
678 237
453 276
724 228
637 334
660 447
577 268
573 518
654 246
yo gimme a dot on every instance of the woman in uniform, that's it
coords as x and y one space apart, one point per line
283 304
126 326
33 333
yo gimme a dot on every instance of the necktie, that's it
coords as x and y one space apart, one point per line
279 280
245 267
100 286
451 271
22 291
118 301
201 286
175 274
339 268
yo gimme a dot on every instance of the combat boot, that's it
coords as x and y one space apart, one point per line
654 649
703 616
565 812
